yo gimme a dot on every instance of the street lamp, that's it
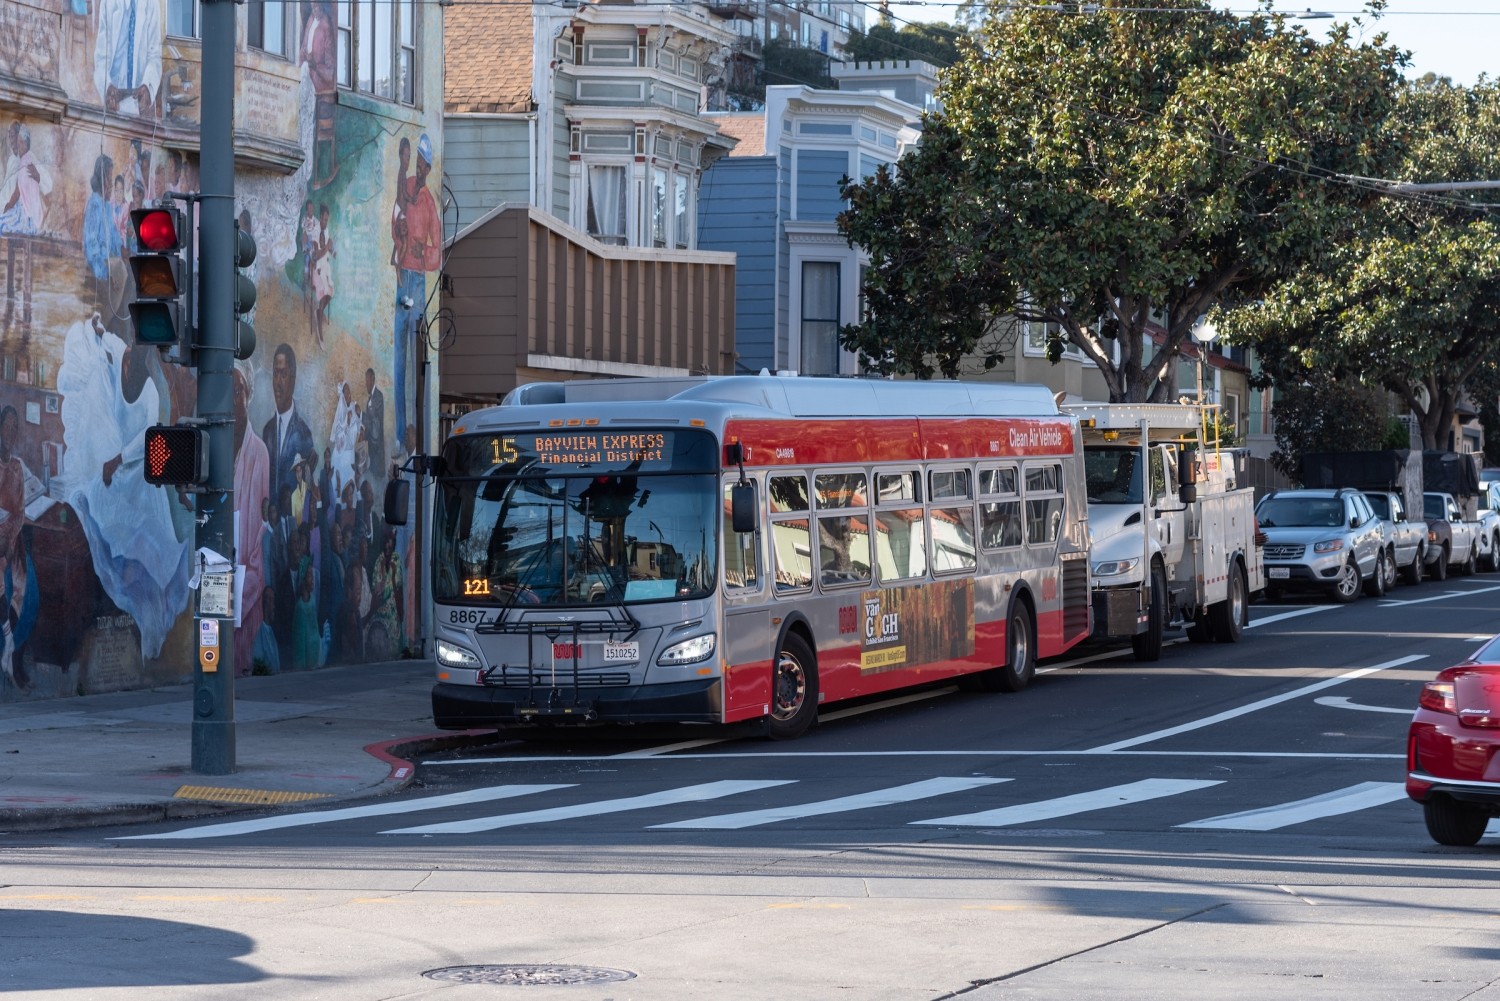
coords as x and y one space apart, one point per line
1203 332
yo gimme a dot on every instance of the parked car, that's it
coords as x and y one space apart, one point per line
1452 542
1451 748
1327 540
1406 539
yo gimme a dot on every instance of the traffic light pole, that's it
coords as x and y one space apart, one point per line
213 675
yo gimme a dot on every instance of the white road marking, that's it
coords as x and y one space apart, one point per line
1172 731
1440 597
1067 806
1270 818
381 809
910 792
1340 702
1295 613
980 752
686 794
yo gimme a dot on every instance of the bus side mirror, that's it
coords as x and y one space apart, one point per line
397 496
742 507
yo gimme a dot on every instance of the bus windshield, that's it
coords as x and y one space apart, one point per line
531 519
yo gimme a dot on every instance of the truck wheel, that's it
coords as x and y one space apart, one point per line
1230 616
1412 572
1453 823
1147 645
1470 564
794 690
1439 569
1346 588
1492 564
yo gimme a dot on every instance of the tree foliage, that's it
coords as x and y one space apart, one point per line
1330 415
1411 300
934 43
1116 174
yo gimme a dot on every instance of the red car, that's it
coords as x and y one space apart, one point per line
1452 767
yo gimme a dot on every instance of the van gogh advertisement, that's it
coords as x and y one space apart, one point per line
908 626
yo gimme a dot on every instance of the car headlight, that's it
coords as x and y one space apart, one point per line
688 651
1113 568
455 656
1328 546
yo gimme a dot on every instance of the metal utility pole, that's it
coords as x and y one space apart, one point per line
213 676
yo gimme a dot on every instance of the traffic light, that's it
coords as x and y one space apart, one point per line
176 455
162 274
244 293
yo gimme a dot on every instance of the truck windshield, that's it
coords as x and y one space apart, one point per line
1433 507
1114 475
577 526
1382 506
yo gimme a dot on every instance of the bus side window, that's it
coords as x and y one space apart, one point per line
1044 504
952 527
791 537
999 520
741 549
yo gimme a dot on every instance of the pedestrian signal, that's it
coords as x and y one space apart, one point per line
176 455
159 265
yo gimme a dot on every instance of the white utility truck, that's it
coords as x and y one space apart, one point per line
1173 547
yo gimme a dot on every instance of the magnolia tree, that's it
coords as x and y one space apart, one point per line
1114 173
1411 301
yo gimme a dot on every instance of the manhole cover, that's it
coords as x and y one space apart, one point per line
528 974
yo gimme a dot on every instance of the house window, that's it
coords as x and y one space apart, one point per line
680 210
820 317
607 203
268 28
182 18
378 48
658 207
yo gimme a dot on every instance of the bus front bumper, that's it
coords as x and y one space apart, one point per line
466 707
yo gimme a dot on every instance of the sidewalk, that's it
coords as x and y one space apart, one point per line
334 734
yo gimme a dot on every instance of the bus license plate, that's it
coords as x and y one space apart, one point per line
1278 573
621 653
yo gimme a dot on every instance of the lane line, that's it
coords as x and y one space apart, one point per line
347 813
908 793
1440 597
686 794
1300 811
1340 702
970 753
1295 613
1229 714
1067 806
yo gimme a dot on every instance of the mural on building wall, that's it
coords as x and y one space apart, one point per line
94 562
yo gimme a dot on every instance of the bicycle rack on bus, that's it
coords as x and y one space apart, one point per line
619 620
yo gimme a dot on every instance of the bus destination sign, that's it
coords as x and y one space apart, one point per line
592 451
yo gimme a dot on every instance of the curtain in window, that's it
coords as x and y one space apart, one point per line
820 318
681 226
607 202
658 208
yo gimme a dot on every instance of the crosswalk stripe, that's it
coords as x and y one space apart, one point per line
1269 818
843 804
687 794
384 808
1066 806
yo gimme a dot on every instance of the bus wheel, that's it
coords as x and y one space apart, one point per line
1020 651
794 690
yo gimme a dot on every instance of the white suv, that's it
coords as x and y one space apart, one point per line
1326 540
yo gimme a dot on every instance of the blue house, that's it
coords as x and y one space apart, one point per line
774 201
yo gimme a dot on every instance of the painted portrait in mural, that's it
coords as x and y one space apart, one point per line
28 182
127 55
417 238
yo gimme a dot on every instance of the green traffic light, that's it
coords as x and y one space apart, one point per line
155 322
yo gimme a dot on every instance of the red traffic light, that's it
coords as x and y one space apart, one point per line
156 229
176 455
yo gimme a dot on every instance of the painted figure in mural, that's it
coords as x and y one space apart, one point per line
322 276
373 421
417 231
21 600
252 486
306 643
120 206
101 239
25 188
127 55
319 55
383 635
266 654
286 434
107 404
342 438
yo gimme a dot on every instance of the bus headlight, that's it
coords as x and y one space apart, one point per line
1113 568
688 651
455 656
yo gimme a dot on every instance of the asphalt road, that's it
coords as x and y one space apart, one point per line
1228 822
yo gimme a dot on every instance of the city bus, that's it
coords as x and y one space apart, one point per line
748 548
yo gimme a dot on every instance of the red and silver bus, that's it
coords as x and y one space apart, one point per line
748 548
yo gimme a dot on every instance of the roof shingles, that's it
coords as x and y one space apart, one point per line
487 57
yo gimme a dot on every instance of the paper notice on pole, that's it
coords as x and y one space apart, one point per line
215 596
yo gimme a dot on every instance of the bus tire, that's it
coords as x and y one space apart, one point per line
1020 651
794 690
1147 645
1230 616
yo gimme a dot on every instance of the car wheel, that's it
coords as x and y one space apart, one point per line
1230 616
794 690
1147 645
1471 562
1346 588
1453 823
1439 569
1412 572
1375 583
